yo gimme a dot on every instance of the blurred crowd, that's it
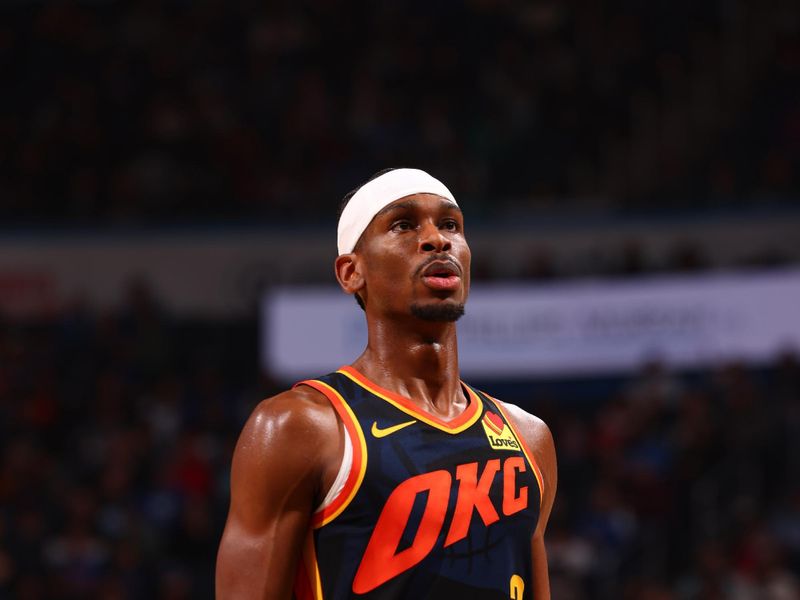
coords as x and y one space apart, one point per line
161 110
680 487
115 439
116 432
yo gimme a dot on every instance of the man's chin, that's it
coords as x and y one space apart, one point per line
445 312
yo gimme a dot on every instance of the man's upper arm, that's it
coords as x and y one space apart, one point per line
276 474
540 441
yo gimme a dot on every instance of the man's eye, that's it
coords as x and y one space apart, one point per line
401 225
450 225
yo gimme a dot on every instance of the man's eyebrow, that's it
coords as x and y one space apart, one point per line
411 204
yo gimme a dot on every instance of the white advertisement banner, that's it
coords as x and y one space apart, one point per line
573 328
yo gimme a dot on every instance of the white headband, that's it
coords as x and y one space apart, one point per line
378 193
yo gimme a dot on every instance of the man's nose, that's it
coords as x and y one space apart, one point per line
432 239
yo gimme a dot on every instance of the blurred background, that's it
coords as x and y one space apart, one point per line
167 167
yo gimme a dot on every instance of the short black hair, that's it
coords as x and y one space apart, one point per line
347 197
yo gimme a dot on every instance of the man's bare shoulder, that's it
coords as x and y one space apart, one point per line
277 425
298 406
534 430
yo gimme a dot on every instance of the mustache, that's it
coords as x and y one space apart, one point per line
438 258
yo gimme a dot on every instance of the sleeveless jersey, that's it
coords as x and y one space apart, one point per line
429 509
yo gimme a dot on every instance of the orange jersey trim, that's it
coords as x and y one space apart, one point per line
525 450
462 422
359 466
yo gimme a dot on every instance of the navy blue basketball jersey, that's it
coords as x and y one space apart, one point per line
429 508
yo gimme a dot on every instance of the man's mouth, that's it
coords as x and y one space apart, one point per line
441 275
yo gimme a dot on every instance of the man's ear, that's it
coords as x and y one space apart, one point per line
348 273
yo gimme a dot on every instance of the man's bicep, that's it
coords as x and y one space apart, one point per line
273 484
546 457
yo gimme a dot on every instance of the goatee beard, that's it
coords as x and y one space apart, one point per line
440 313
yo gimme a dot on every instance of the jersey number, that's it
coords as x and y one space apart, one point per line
516 587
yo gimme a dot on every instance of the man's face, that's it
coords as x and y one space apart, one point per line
415 259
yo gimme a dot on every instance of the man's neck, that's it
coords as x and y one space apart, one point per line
420 363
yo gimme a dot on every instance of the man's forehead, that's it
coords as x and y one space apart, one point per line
378 192
414 201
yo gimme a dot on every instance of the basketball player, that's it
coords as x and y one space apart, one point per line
391 478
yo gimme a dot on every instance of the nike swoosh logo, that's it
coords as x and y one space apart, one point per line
379 433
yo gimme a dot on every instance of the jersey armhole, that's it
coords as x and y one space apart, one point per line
341 477
352 468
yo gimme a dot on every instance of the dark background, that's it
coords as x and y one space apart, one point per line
117 424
